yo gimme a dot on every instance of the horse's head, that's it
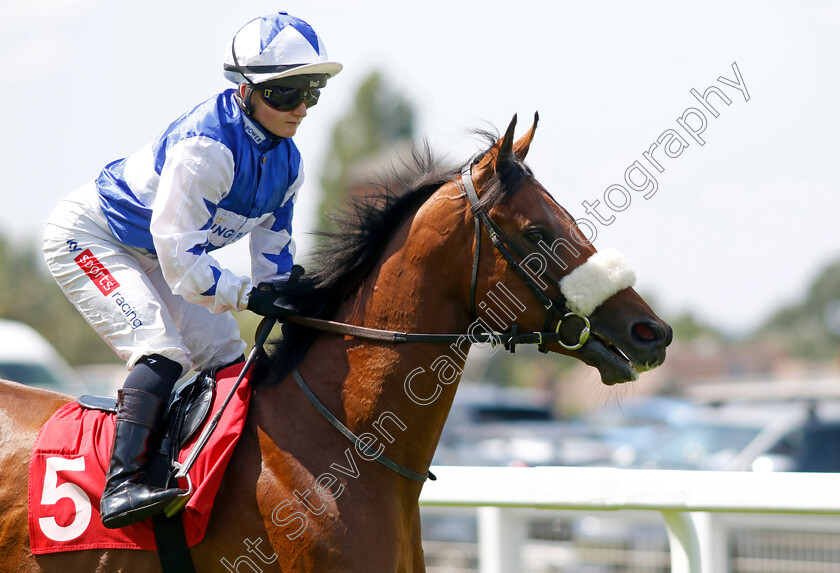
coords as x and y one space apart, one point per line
531 246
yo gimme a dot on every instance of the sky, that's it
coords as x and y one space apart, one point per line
733 229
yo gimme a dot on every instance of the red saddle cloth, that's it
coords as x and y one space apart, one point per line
70 459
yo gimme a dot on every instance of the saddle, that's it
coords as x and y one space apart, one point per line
187 410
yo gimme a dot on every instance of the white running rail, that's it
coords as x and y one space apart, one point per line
687 500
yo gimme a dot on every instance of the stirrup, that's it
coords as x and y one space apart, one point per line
181 501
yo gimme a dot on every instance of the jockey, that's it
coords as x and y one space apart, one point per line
132 249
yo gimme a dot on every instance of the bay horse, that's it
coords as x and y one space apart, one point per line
297 495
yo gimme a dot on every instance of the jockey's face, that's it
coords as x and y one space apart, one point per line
279 123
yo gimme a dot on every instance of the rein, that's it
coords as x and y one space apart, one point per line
509 340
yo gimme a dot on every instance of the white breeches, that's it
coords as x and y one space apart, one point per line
122 294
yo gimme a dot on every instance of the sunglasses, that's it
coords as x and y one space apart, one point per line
285 98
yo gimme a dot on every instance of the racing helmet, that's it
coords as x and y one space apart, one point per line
273 47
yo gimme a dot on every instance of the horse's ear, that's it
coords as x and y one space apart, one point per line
495 157
506 146
521 147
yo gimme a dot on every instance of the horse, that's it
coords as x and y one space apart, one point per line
452 252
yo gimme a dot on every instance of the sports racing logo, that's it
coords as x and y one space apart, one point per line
100 276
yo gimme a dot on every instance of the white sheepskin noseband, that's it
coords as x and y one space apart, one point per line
601 276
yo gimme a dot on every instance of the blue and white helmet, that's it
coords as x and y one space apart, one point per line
276 46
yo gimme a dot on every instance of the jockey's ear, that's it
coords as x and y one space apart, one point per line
245 93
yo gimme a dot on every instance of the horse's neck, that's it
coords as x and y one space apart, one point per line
402 393
420 286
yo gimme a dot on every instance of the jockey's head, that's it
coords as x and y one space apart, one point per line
283 61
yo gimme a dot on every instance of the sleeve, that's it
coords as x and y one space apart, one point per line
271 242
197 175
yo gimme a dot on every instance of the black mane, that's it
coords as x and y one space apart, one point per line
345 257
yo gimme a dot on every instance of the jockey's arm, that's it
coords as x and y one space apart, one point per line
271 243
197 175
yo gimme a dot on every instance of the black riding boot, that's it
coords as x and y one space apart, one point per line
126 498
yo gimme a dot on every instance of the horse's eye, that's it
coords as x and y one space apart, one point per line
535 235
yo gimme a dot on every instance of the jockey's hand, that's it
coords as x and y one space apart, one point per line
268 299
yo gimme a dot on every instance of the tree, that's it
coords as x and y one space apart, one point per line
690 328
379 117
810 329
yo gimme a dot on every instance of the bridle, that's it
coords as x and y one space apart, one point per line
503 244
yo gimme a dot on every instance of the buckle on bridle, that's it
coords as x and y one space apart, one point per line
583 336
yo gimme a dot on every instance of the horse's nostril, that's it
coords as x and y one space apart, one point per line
648 332
643 331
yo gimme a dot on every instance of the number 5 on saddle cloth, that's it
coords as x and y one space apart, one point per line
73 449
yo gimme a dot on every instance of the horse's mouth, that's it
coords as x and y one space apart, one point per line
613 364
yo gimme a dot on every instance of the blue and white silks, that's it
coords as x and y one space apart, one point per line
209 179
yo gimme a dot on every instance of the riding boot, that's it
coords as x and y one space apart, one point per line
126 498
